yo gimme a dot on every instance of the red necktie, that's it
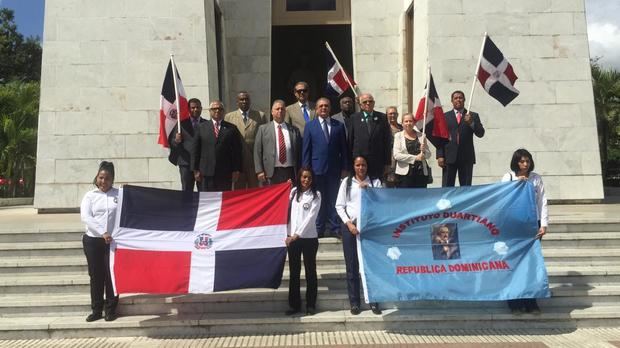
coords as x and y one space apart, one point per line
458 117
458 132
216 129
281 145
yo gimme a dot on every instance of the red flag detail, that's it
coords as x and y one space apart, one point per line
154 272
245 208
168 110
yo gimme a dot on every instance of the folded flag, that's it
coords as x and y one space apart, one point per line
496 74
168 112
474 243
436 127
336 81
176 242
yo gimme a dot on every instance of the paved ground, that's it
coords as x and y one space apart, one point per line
580 338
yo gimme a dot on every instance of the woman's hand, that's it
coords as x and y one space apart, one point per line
107 237
541 232
363 185
291 239
352 228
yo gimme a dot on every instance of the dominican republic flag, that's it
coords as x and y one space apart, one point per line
174 242
436 127
336 81
496 74
168 112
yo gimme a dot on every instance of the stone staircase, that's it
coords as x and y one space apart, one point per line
44 293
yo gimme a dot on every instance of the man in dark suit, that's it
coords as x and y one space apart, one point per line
180 144
347 108
216 152
370 136
458 155
325 150
277 148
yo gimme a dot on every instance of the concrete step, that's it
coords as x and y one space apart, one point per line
38 249
268 300
579 227
582 240
217 324
582 254
48 235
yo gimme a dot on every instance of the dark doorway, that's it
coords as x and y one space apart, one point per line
299 53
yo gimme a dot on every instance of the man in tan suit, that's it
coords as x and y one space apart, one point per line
302 111
247 121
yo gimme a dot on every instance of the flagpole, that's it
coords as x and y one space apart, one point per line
343 71
428 87
473 85
176 92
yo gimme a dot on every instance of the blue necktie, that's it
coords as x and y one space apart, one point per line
306 115
325 130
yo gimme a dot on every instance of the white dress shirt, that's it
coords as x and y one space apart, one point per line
348 208
304 214
98 211
287 142
329 124
541 198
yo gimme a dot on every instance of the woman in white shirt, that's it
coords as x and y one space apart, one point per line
522 166
303 240
348 205
410 152
98 211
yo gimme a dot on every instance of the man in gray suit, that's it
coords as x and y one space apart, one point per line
277 148
302 111
347 108
247 121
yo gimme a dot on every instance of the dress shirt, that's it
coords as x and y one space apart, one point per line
287 141
541 198
304 214
329 124
98 211
348 208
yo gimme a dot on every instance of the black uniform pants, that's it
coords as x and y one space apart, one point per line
307 247
98 257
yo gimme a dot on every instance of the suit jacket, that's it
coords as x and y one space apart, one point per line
346 121
375 145
217 156
325 158
265 148
248 134
180 154
295 116
402 156
460 147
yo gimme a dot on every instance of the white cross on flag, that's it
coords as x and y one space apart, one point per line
496 74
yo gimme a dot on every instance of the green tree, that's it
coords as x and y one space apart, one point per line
20 58
19 107
606 85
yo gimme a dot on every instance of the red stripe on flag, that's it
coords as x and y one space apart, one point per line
254 207
440 126
483 75
184 114
156 272
510 74
340 80
163 137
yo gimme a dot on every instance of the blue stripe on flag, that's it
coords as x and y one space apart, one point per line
154 209
250 268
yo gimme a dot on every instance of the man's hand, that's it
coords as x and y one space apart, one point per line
261 177
178 138
197 176
441 162
235 176
468 119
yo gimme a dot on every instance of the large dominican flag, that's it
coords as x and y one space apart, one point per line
474 243
336 81
177 242
436 127
496 74
168 112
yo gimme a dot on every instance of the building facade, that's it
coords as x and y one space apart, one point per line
104 63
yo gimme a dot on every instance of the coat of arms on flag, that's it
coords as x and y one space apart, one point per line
173 104
496 74
177 242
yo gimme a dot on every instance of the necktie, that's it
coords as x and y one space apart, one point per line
245 117
458 117
195 124
458 121
306 115
326 130
281 146
216 129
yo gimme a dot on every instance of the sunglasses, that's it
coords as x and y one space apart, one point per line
368 101
216 109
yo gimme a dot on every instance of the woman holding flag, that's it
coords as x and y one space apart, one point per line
410 151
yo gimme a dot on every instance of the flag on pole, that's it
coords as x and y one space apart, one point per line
168 112
336 80
436 127
496 74
177 242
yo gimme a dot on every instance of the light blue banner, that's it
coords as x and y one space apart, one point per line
465 243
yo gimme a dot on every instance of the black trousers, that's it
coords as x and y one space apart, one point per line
282 174
98 257
307 247
465 172
412 181
349 247
187 179
216 183
328 220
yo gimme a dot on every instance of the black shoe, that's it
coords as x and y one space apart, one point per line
292 311
355 310
374 307
533 308
310 311
93 317
110 316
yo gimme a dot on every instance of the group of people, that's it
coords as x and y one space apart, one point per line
328 158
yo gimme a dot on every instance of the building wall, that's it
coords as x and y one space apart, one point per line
103 66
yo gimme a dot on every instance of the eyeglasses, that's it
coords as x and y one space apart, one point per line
301 90
217 109
368 101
